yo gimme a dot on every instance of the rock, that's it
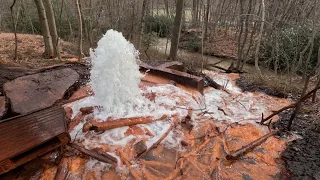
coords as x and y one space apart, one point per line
39 91
140 147
3 106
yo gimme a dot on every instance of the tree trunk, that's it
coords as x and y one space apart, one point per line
141 26
166 6
15 31
298 107
239 60
256 59
176 30
45 29
52 27
80 30
194 13
314 96
206 21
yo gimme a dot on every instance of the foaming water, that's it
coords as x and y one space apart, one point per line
115 75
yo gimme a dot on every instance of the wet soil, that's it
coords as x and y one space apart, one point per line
302 155
253 86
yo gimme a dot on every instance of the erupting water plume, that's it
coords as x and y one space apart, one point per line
115 75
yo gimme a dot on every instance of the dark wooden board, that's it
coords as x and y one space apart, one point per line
178 76
22 133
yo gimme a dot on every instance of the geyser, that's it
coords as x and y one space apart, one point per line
115 75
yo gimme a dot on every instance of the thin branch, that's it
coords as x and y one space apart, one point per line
302 99
96 154
174 122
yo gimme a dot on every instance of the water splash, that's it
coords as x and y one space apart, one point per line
115 75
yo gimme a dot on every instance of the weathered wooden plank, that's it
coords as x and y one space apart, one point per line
22 133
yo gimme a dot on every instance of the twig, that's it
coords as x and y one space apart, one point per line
245 149
96 154
200 109
294 105
175 120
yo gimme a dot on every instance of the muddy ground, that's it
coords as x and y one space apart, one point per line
302 156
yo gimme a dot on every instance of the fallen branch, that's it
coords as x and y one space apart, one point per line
215 85
62 170
106 125
174 122
249 147
294 105
96 154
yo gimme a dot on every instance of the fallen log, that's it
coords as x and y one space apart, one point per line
106 125
294 105
249 147
174 122
96 154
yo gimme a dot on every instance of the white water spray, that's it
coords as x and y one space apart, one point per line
115 75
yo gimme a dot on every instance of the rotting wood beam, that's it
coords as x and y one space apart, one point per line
178 76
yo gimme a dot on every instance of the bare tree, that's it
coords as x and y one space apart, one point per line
206 19
45 29
141 26
80 30
176 30
52 27
256 59
15 31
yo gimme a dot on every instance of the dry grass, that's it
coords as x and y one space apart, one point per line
280 83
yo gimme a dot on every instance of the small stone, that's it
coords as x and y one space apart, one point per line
172 83
246 177
140 147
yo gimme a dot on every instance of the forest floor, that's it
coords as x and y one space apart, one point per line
30 49
302 155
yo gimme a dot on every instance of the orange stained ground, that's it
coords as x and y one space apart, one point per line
204 155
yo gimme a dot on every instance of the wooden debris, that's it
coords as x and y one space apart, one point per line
87 110
106 125
174 122
96 154
210 82
62 171
27 137
177 76
249 147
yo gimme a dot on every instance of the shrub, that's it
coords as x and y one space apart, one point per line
159 24
292 40
149 39
194 43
